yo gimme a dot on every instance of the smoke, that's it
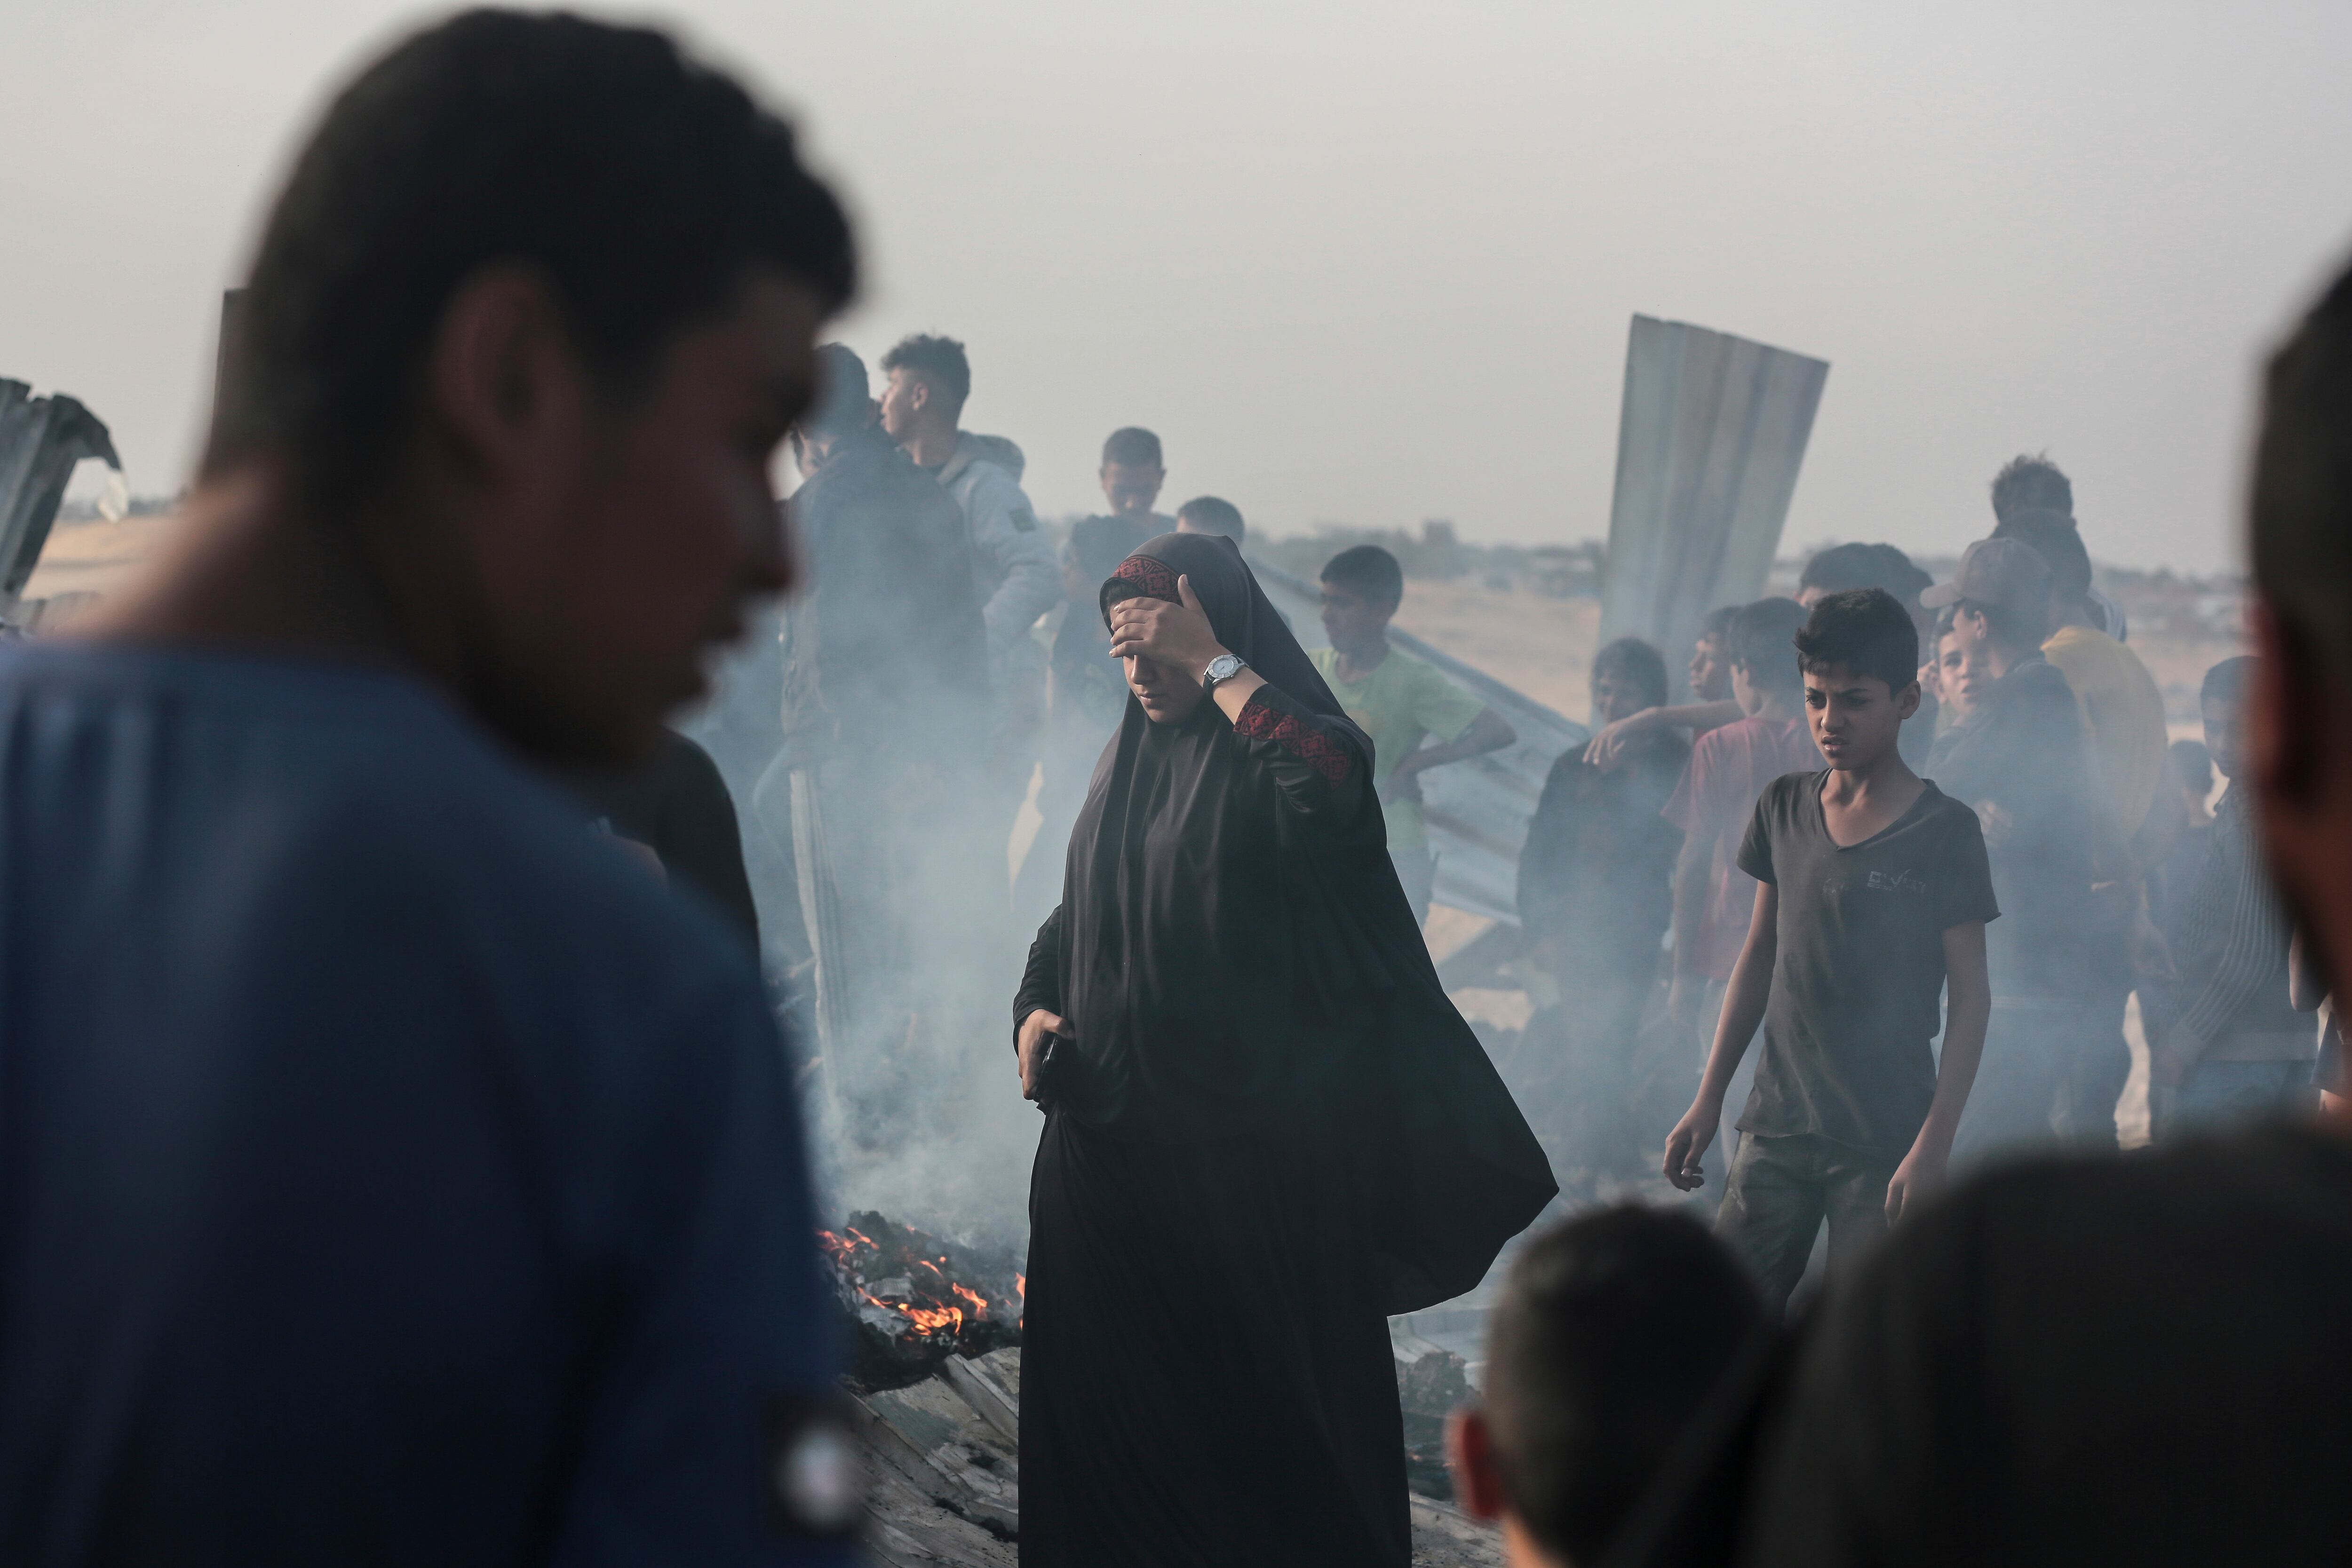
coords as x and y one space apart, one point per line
879 858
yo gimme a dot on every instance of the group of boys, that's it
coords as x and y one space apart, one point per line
2062 1360
918 700
2050 733
932 634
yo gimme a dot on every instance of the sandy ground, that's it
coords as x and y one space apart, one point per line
96 557
1542 645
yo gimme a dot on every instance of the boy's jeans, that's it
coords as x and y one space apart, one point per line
1780 1189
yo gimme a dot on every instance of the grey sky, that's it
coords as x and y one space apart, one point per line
1374 261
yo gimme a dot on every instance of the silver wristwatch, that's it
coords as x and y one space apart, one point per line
1223 667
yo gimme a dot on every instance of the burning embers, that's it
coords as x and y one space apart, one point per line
912 1299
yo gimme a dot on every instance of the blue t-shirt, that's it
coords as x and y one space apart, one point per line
389 1170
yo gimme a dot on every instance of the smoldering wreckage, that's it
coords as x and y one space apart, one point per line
933 1390
1712 431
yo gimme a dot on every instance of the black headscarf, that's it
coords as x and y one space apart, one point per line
1225 958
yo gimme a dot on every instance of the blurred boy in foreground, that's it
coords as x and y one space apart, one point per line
396 1172
1613 1336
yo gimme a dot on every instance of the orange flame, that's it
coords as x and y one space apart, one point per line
929 1320
853 1252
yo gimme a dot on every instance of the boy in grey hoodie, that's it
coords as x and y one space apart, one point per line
1014 564
1012 558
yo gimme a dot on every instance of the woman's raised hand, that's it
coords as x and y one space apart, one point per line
1172 636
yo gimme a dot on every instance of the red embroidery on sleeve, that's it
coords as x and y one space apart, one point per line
1152 579
1260 720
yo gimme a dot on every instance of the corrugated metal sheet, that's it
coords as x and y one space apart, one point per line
1476 810
41 439
1712 433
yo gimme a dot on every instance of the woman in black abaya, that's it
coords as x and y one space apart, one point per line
1266 1128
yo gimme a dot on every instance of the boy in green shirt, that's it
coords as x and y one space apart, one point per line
1400 701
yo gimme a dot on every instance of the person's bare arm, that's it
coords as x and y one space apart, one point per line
1743 1011
2306 981
1490 731
1967 1008
1607 747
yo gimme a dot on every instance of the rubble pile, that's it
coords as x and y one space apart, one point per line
909 1300
1429 1390
942 1466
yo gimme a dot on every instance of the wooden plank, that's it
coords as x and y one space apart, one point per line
980 1392
905 1528
915 1508
935 1422
1445 1537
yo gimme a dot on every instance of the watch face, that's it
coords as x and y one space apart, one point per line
1224 667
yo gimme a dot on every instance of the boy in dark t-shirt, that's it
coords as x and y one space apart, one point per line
1874 889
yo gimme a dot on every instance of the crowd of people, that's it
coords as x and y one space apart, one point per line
2110 875
2056 1364
2059 1361
393 1168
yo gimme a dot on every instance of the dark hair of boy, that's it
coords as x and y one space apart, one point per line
941 361
642 189
1210 515
1763 638
2054 537
2303 489
1864 631
2032 482
1613 1332
1368 570
2301 528
1636 663
1901 578
2226 681
1843 566
1130 446
1718 624
2005 582
844 403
